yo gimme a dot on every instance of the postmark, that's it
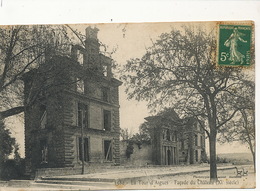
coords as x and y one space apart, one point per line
234 45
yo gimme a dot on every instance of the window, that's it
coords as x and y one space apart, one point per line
44 151
196 155
107 120
201 141
82 120
85 150
196 140
105 94
80 85
108 150
182 145
174 136
44 120
168 135
163 134
80 57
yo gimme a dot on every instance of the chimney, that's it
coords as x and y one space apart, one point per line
92 47
91 33
91 42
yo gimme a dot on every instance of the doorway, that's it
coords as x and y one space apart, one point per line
169 161
85 149
108 150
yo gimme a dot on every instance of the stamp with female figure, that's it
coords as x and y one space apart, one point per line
234 45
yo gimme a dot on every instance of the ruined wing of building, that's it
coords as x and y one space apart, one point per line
71 96
176 141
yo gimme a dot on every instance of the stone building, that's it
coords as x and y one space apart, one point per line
67 97
176 141
192 142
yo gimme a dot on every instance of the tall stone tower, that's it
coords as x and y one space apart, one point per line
67 98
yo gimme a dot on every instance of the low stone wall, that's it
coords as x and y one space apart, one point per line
44 172
88 168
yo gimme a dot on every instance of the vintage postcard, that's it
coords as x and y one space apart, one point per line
127 106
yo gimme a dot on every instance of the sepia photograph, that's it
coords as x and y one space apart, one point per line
118 106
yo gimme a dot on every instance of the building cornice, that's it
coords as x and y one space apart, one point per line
88 98
91 130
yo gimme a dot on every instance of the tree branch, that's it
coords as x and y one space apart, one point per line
76 35
27 48
11 112
230 117
8 54
20 73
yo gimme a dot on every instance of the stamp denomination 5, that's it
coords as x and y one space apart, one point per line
234 45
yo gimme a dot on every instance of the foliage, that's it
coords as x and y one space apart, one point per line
179 70
17 156
6 142
11 169
223 160
143 136
129 149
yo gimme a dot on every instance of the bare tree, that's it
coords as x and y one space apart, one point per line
247 133
243 129
23 48
179 71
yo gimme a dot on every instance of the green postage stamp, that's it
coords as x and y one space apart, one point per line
234 48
